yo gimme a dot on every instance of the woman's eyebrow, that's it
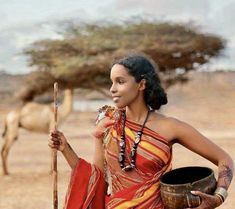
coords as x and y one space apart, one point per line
119 77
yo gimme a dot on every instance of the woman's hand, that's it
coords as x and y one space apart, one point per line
102 127
57 140
207 201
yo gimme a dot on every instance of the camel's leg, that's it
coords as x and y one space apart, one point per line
9 138
4 153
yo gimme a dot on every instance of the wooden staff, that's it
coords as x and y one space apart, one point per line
54 152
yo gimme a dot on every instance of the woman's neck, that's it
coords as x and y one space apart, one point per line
137 113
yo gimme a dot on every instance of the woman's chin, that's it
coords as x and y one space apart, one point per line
119 106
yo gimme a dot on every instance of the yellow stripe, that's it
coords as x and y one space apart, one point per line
131 203
127 131
114 133
130 133
156 151
149 147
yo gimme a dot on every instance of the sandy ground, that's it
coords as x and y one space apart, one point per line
29 185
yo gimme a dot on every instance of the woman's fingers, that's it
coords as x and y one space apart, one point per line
56 142
53 145
57 135
109 123
199 193
207 201
54 139
99 133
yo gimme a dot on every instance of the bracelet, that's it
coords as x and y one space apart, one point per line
221 192
220 197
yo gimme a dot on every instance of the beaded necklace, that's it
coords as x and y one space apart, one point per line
122 145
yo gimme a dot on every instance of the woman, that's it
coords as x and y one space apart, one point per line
133 146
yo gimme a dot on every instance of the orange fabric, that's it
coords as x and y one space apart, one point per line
139 188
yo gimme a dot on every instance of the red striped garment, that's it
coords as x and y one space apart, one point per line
138 188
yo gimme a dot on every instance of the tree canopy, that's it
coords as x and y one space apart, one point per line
82 59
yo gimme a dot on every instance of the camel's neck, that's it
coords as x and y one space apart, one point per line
67 105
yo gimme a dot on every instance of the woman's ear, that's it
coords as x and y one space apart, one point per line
142 84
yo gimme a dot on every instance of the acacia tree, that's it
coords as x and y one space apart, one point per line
82 59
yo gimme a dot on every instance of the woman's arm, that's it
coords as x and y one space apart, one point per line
196 142
70 156
99 154
99 134
59 142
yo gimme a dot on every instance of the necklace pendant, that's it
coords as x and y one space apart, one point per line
139 133
137 139
122 144
133 154
121 158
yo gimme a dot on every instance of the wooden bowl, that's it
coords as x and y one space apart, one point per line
177 184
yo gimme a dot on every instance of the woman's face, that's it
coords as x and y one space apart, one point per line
125 90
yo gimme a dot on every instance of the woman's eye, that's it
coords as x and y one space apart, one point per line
121 81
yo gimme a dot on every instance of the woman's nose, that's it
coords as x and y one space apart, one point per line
112 89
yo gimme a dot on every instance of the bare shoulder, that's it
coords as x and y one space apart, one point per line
167 126
171 122
182 132
164 120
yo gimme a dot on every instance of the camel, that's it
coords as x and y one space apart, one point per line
34 117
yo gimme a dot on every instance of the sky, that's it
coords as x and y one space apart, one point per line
25 21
